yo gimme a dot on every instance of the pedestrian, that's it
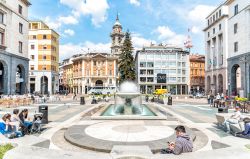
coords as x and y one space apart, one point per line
211 100
208 98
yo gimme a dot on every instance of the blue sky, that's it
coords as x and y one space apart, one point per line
85 24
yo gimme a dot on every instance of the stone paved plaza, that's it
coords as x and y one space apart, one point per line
72 133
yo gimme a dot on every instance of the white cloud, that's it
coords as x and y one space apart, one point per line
60 21
135 2
197 17
68 20
52 24
67 50
97 9
139 41
69 32
199 13
164 32
167 36
196 30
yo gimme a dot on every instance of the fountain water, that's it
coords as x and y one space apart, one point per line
128 100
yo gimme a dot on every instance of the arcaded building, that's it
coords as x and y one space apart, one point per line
14 61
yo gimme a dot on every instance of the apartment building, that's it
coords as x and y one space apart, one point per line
197 73
44 58
14 62
163 67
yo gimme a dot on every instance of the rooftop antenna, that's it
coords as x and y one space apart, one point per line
188 43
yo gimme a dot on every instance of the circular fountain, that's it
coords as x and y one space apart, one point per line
128 100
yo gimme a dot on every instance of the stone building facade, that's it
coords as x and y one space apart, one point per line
216 47
197 73
14 62
228 38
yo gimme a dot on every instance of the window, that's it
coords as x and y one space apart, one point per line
110 72
236 9
44 36
34 37
44 67
213 30
110 81
20 9
1 38
208 34
20 28
20 47
44 57
235 28
44 47
216 15
1 17
94 63
213 18
32 79
220 27
32 47
32 57
219 13
32 67
236 47
208 22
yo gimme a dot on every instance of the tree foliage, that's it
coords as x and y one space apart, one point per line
127 61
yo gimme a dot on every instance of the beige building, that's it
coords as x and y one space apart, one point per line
44 58
14 62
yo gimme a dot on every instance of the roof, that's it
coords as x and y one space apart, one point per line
26 2
197 57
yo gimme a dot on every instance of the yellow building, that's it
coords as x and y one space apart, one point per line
44 58
197 73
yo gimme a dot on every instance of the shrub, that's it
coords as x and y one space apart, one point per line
4 149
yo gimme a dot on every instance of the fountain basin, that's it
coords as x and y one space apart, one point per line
149 113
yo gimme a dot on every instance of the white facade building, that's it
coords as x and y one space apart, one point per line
163 67
216 37
227 40
14 60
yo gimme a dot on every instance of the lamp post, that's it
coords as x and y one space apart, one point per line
43 82
212 65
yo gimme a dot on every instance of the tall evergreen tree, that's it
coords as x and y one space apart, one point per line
126 60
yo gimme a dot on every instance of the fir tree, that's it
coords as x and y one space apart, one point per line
126 60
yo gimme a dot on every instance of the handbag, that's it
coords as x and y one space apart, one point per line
246 120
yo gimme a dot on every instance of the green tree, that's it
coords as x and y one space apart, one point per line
126 61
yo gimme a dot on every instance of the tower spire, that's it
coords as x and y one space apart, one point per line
117 16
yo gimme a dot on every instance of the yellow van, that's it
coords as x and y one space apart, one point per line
160 91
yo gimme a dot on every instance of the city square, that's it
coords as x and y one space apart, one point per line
85 79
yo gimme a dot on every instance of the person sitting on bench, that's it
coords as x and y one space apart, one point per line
234 119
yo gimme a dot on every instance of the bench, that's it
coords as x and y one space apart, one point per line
235 128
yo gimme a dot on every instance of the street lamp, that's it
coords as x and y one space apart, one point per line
43 82
212 65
